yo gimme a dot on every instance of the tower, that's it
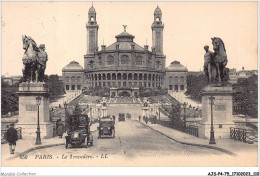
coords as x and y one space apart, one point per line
157 31
92 31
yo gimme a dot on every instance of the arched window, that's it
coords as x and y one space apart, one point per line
125 59
124 76
108 76
170 79
72 79
91 64
176 79
182 79
135 76
140 76
139 60
67 79
130 76
158 65
78 79
119 76
113 76
149 77
110 60
145 76
104 76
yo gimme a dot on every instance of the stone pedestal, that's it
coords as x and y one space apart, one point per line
28 110
145 111
222 112
103 111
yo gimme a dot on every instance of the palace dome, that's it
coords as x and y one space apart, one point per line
176 66
125 41
73 66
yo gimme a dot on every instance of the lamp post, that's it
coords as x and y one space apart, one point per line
212 138
184 114
65 107
38 132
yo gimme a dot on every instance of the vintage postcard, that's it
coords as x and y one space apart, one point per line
139 84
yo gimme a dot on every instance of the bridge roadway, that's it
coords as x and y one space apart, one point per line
134 143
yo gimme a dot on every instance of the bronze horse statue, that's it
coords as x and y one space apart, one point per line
34 60
220 57
215 63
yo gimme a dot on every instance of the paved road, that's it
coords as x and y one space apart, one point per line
132 140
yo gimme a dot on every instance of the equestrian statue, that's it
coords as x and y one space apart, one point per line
34 60
215 62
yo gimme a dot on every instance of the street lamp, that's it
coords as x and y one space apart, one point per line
38 132
184 116
65 107
212 138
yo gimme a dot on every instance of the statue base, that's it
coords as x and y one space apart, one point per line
222 111
28 109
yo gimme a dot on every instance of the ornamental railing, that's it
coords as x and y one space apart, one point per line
179 125
3 135
238 134
192 130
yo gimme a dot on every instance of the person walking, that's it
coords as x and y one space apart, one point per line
59 128
11 137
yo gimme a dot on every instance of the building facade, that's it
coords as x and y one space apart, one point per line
176 75
234 75
123 64
73 76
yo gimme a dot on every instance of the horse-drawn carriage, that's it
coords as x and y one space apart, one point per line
106 127
79 133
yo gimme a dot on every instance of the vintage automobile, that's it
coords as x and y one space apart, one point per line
153 119
128 116
106 128
79 133
121 117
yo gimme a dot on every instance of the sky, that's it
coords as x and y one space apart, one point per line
188 27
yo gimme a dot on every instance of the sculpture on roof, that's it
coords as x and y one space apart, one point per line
215 62
34 60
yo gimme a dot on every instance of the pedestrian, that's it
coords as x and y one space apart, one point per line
11 137
139 118
59 128
146 120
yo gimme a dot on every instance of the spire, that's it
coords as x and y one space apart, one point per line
157 11
92 10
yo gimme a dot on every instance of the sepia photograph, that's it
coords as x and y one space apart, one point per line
129 84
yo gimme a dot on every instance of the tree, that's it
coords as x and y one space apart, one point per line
175 116
245 98
195 84
9 98
56 87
